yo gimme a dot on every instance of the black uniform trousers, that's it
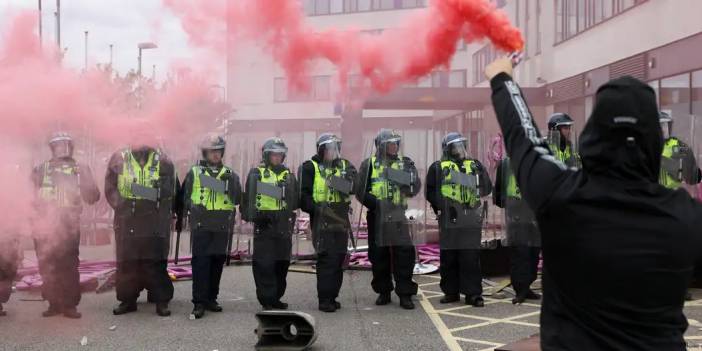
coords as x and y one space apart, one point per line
524 266
461 272
330 274
135 275
270 263
390 262
207 264
58 267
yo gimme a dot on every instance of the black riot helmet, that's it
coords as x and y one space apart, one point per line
559 120
386 137
61 144
453 145
328 147
212 142
273 145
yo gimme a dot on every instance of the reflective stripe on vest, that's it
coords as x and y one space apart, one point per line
668 180
206 197
381 188
132 172
455 192
61 196
265 202
512 188
321 191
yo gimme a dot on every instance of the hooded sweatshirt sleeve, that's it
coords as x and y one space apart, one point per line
537 172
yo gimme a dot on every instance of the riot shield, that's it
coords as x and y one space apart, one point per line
331 217
565 149
269 203
519 222
460 210
679 163
143 224
211 230
396 180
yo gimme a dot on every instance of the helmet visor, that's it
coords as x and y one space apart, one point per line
332 150
458 149
61 149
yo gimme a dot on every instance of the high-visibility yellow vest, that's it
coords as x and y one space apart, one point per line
668 180
208 198
321 192
132 172
456 192
265 202
383 189
60 196
564 155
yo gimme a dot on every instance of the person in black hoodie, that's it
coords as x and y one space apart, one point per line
326 183
609 229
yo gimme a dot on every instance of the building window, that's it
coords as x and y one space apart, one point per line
481 59
319 90
457 79
327 7
576 16
675 95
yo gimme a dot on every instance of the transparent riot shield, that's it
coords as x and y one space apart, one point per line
144 222
679 165
212 229
394 181
330 219
270 202
520 224
461 212
565 148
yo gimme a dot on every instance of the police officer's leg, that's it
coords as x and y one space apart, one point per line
326 281
521 263
157 280
380 259
51 281
450 279
128 281
471 276
201 268
281 274
403 260
338 273
216 269
263 268
534 253
69 275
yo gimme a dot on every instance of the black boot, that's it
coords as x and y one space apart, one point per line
213 307
688 296
279 305
2 311
162 309
124 308
337 304
448 298
531 295
519 299
72 313
198 311
475 301
383 299
406 302
52 311
267 307
326 305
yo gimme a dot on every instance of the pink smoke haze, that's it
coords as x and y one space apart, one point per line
424 42
38 96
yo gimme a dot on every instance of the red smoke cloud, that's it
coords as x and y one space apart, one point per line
39 96
426 41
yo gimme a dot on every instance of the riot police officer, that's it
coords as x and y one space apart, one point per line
63 185
326 184
385 181
210 193
141 186
454 186
560 139
270 199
